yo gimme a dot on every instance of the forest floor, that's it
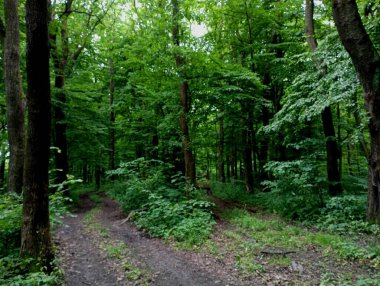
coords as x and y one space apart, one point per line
98 246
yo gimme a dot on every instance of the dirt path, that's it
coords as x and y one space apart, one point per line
99 247
86 241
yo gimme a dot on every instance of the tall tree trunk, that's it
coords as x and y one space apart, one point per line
2 174
221 172
247 151
112 117
35 234
13 87
366 60
60 59
332 150
184 99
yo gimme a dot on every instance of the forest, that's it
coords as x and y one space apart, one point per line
179 142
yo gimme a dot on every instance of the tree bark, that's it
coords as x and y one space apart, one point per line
2 174
247 151
367 64
332 150
35 234
13 88
184 99
60 59
221 173
112 117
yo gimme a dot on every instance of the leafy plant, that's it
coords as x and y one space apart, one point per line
346 214
296 190
188 220
164 206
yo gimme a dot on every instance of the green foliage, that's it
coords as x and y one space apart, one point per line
14 270
164 208
331 279
234 192
142 178
188 220
346 215
10 222
296 189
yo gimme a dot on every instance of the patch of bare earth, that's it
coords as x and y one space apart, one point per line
85 262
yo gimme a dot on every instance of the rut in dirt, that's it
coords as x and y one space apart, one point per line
84 263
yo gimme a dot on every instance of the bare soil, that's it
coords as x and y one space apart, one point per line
84 263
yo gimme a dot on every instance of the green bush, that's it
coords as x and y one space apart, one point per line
296 190
164 204
233 192
10 222
188 220
14 270
346 214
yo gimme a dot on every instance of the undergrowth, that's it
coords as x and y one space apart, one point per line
15 271
162 202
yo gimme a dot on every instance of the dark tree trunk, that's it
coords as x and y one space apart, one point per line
13 88
112 117
333 174
367 63
98 174
332 150
349 163
60 58
184 100
35 234
221 173
247 151
85 173
2 174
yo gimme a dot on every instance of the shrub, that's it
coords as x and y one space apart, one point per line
14 270
10 222
346 214
165 205
187 220
296 190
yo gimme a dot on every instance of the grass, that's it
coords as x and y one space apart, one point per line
253 233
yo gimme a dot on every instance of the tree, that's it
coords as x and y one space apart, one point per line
15 108
35 233
332 150
184 98
366 60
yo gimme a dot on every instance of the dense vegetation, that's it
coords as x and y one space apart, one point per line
173 104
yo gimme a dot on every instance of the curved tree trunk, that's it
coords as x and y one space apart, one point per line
35 234
332 150
13 87
367 63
